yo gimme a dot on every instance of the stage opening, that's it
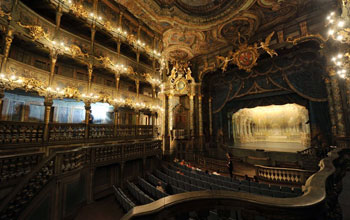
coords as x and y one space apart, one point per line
272 128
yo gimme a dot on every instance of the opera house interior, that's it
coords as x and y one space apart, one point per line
175 109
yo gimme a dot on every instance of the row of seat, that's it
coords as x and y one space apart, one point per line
150 189
123 200
137 193
177 183
154 180
207 181
196 182
234 183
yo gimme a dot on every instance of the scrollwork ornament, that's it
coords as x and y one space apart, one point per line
35 31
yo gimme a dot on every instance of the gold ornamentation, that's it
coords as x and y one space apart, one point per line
3 14
307 37
79 10
247 55
36 31
76 51
224 61
105 61
265 45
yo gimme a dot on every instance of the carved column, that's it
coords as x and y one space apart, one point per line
137 82
87 116
337 103
119 43
191 114
170 114
200 117
153 115
90 69
331 107
58 19
165 124
8 42
48 106
117 80
116 118
53 57
210 117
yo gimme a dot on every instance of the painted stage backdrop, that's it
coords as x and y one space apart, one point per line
273 123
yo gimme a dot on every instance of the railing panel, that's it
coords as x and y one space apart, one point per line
66 132
282 175
12 167
21 132
101 131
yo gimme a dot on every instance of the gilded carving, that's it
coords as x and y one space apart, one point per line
3 14
76 51
247 55
35 31
79 10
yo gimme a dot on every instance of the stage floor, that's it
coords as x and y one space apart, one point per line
271 146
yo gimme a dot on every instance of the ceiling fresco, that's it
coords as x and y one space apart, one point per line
198 27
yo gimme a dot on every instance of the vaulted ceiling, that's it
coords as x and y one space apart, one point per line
195 27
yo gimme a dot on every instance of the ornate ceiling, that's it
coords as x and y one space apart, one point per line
196 27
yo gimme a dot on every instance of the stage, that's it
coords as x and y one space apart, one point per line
291 147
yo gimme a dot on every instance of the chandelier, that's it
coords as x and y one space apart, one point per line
339 31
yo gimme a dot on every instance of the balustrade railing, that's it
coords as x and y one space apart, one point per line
61 163
28 132
282 175
16 166
21 132
101 131
65 131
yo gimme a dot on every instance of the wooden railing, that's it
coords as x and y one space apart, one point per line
17 166
32 133
63 162
21 132
318 202
282 175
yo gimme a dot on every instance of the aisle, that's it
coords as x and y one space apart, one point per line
105 209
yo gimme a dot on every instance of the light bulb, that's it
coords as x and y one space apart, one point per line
331 32
341 24
340 37
340 55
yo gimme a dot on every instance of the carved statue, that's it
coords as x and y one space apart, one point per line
130 70
188 75
174 72
265 45
105 61
223 62
35 31
76 51
79 10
